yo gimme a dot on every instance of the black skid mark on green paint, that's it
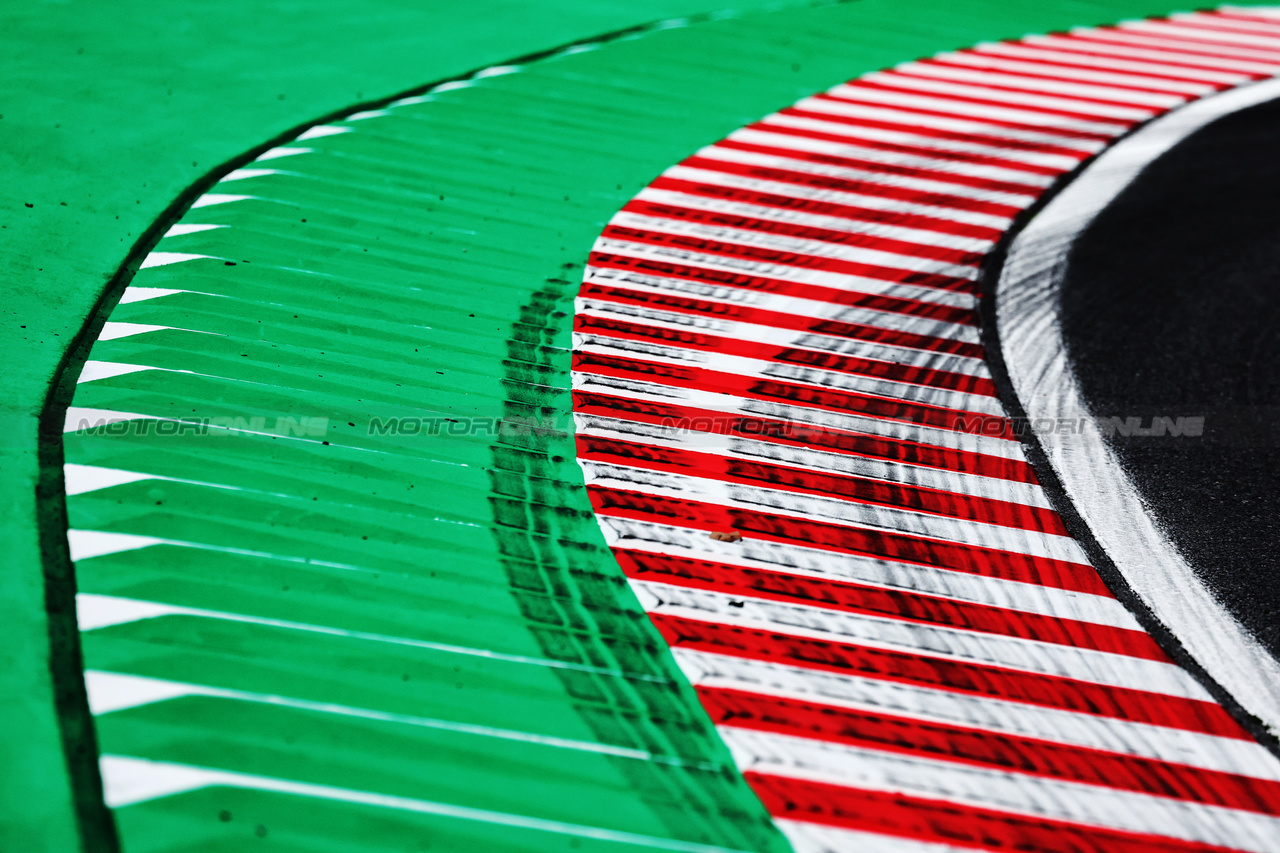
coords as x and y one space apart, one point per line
568 586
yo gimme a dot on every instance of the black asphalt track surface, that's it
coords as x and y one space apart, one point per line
1171 307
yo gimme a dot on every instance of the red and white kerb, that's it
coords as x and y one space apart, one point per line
777 340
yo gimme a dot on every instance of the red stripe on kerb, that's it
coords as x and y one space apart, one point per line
863 541
768 284
1065 78
1192 32
984 748
801 290
805 232
827 208
987 102
793 393
1054 62
935 152
1024 90
991 137
931 173
785 355
1243 16
1182 71
885 189
834 328
945 822
1146 40
1045 129
1224 21
893 603
795 434
806 481
1092 48
993 682
763 255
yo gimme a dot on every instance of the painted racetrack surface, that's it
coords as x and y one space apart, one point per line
776 343
331 636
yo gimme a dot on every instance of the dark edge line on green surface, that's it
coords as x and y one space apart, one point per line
97 828
989 330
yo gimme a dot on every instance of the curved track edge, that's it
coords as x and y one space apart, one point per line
1091 477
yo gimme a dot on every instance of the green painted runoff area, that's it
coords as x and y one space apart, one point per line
111 111
434 274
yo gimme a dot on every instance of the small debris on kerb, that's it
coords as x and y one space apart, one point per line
730 536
